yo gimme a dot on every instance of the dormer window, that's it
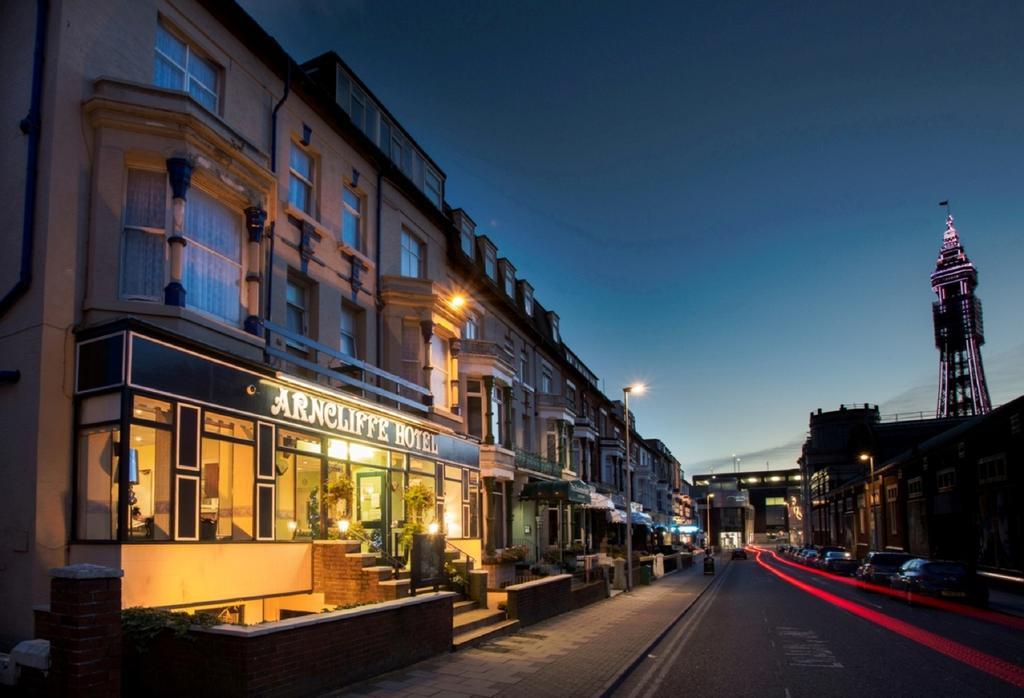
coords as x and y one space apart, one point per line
554 327
527 298
467 232
508 278
490 265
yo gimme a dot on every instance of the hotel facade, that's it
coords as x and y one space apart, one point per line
240 314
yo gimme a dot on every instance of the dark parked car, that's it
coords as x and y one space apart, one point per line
942 578
809 557
879 567
825 550
840 562
739 554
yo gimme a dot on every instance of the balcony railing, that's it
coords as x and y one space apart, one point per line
534 462
556 401
483 347
388 385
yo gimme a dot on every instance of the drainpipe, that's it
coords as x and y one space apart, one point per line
30 126
273 168
376 288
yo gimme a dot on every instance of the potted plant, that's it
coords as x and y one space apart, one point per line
419 499
500 565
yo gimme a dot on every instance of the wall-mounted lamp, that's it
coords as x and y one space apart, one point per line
432 528
343 526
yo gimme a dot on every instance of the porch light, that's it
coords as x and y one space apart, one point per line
457 301
432 528
292 525
343 526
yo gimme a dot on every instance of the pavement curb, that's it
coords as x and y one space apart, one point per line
618 680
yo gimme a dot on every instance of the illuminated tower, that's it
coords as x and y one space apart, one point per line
959 333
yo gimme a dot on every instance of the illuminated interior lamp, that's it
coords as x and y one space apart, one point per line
292 525
432 528
343 526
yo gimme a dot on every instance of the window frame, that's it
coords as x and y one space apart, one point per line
125 226
348 211
416 249
215 194
353 312
308 183
188 77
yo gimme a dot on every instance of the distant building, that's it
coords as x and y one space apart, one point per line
757 506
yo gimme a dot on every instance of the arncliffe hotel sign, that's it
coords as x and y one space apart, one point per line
298 406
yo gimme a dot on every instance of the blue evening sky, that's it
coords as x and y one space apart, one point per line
736 202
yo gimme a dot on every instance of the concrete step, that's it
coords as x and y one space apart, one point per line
430 589
463 607
381 572
471 620
483 634
367 559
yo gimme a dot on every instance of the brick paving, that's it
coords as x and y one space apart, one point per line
581 653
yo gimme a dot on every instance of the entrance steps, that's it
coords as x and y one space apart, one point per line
472 625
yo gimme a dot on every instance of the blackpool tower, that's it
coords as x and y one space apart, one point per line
959 332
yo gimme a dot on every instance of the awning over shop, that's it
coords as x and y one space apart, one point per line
599 501
617 516
571 491
642 519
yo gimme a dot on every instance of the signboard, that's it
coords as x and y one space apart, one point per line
427 561
174 371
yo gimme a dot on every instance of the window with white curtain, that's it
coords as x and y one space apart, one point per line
300 179
411 365
439 361
178 67
213 256
144 244
352 219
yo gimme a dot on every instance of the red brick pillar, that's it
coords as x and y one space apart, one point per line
85 630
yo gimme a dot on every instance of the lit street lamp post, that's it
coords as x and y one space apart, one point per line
711 544
870 458
637 388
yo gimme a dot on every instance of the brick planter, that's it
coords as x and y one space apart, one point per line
532 602
500 574
294 657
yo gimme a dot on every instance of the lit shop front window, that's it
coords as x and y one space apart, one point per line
226 478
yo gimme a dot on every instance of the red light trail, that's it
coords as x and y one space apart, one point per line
1001 669
978 613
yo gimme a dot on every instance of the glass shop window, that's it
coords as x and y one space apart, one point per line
97 482
298 515
226 479
149 483
152 410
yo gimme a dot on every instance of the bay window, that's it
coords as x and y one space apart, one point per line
213 257
144 243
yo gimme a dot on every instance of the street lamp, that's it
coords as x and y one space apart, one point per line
870 459
711 544
736 463
638 389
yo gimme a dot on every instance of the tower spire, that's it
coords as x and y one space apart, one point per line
959 332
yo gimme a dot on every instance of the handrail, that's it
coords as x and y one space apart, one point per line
449 544
350 360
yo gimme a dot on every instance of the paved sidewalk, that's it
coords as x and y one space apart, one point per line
581 653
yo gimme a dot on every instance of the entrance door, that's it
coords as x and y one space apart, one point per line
372 505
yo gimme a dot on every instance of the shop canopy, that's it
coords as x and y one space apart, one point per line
571 491
599 501
617 516
642 519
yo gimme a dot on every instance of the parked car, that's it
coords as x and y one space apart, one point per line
809 557
879 567
941 578
739 554
840 562
825 550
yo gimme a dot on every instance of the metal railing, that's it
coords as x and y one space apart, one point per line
403 391
536 463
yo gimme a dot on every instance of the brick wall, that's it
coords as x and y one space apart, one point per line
83 626
346 576
532 602
589 593
300 656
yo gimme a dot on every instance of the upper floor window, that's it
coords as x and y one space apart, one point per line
490 265
412 255
570 393
545 379
470 329
524 366
352 219
349 329
178 67
554 328
297 307
213 257
432 187
144 243
510 283
528 300
300 179
945 480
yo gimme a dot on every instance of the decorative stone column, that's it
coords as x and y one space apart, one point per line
85 630
489 410
179 171
427 330
255 219
455 400
507 439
